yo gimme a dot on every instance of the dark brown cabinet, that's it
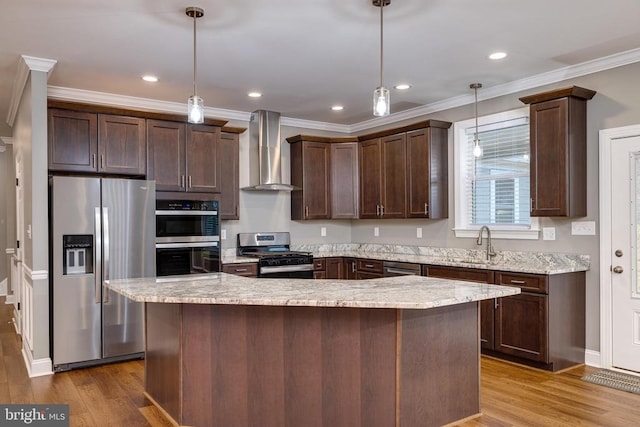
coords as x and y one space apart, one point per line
328 268
382 177
183 158
369 269
247 269
344 180
97 143
558 139
350 268
229 150
310 172
427 172
319 269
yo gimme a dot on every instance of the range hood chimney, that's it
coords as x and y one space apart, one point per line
265 164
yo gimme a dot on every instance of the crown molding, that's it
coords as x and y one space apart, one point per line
25 65
555 76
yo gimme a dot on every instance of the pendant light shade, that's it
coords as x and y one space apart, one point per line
381 100
195 104
477 150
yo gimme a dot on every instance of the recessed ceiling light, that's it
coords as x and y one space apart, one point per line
402 86
498 55
149 78
337 108
254 94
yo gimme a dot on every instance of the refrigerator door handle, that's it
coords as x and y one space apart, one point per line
105 273
98 256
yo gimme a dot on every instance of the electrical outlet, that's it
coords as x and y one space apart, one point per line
223 234
583 228
323 231
419 232
548 233
376 231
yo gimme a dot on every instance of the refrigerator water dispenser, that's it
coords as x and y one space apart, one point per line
77 254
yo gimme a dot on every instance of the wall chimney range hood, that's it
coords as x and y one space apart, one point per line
265 164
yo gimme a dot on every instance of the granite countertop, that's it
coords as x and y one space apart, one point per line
521 262
404 292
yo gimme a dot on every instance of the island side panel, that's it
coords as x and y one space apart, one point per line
440 365
162 361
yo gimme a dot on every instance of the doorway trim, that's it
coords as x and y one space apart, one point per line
607 138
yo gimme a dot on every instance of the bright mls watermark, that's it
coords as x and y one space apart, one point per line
34 415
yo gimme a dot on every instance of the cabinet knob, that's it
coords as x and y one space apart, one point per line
617 269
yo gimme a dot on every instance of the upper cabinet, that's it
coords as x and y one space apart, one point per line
229 151
97 143
344 180
382 177
311 173
405 174
183 157
558 138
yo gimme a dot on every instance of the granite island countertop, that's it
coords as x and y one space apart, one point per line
400 292
521 262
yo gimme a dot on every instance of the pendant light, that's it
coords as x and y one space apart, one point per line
477 151
381 101
195 105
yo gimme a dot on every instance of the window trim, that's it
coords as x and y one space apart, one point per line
461 228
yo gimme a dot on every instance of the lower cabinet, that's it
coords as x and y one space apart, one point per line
247 269
328 268
350 268
544 326
369 269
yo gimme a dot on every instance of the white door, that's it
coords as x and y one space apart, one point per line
625 256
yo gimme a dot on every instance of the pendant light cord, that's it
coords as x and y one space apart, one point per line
475 90
381 41
194 54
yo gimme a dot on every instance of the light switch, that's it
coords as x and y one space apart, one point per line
376 231
583 228
419 232
223 234
323 231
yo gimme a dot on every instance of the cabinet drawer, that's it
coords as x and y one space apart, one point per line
372 266
249 269
458 273
526 282
319 264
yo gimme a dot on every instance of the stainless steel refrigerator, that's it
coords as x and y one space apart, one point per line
100 229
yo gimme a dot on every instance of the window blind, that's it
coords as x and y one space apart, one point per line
497 186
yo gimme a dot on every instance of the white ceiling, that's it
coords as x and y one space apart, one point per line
306 55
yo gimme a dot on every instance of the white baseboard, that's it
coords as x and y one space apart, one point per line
3 288
592 358
37 368
10 299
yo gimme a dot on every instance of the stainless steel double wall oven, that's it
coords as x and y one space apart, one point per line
187 237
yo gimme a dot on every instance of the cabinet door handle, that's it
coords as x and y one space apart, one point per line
102 161
518 282
377 210
426 208
240 270
495 303
381 210
189 181
306 211
353 267
93 160
531 204
368 265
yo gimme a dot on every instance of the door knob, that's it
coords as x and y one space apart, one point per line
617 269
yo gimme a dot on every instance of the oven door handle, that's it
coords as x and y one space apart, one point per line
186 245
286 268
185 213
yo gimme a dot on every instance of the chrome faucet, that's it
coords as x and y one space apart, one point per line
490 251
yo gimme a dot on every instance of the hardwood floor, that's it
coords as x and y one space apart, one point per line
511 395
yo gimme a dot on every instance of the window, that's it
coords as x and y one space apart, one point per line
493 189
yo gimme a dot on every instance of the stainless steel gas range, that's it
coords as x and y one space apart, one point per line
275 259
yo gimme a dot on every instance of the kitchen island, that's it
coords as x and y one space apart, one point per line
224 350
